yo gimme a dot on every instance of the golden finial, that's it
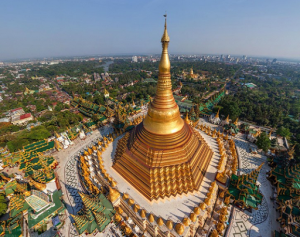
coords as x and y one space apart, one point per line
165 37
164 65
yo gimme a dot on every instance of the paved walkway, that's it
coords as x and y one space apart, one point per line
261 222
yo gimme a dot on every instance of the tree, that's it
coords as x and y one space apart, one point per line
263 142
3 204
284 132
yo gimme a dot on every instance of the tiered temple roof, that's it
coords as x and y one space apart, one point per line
35 164
96 214
244 191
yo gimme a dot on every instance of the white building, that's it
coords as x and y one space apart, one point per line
134 59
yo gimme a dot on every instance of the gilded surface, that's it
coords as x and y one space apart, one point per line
163 156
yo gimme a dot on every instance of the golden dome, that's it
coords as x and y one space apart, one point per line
222 218
128 231
197 210
202 206
143 213
169 224
125 196
151 217
136 207
120 210
207 201
220 227
179 228
130 202
186 221
160 221
113 183
193 217
214 233
113 194
118 217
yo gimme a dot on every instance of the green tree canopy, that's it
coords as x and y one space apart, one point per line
284 132
263 142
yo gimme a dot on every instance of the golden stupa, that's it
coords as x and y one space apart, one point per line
163 156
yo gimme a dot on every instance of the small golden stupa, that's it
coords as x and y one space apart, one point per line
163 156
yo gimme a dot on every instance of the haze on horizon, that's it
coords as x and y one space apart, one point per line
35 28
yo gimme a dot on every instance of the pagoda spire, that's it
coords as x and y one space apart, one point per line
227 119
217 115
163 115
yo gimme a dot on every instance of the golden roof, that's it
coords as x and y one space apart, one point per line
37 185
179 228
169 224
113 194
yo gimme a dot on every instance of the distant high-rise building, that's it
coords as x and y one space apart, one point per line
222 56
244 57
134 59
274 60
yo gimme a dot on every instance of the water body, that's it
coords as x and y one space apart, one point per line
106 65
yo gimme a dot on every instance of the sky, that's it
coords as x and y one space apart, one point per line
42 28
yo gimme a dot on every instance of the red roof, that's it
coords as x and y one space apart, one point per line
24 116
13 110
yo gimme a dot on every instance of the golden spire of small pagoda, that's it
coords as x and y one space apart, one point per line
217 115
227 119
186 119
236 121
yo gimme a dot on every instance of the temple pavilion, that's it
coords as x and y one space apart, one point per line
244 191
97 213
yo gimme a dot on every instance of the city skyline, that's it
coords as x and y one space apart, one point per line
236 27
